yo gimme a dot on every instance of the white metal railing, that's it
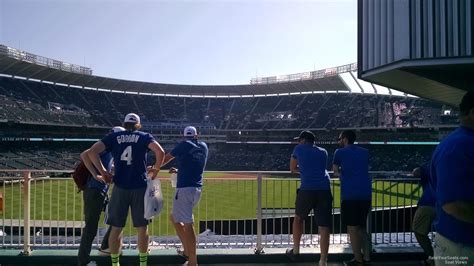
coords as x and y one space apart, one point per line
250 209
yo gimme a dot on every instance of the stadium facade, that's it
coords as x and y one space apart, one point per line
425 48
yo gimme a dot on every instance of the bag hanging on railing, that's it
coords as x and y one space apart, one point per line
153 198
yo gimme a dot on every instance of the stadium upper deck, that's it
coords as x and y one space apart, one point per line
17 63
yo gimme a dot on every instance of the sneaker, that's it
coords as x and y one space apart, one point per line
91 263
353 262
104 252
291 254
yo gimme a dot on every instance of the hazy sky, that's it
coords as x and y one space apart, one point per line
185 42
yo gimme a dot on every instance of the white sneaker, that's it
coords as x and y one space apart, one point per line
91 263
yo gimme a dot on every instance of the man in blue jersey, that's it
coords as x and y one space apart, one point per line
314 193
351 166
129 149
94 196
452 179
425 212
191 155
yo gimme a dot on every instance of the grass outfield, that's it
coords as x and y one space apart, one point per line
225 196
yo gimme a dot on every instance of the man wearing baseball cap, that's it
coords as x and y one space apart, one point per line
191 155
129 149
310 162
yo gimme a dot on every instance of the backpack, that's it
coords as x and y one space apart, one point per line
80 176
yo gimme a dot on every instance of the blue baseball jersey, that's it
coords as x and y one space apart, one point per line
129 149
191 156
312 161
355 181
427 198
452 179
107 161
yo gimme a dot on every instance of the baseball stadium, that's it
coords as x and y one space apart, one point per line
51 111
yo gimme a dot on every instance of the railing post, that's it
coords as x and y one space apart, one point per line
259 248
26 212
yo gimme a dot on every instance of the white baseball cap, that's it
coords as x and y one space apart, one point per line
132 118
190 131
117 129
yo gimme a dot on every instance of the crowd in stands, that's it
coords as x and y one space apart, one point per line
222 157
29 101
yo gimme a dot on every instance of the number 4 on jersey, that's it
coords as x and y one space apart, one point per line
127 155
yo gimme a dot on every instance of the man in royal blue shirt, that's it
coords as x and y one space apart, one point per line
314 193
94 196
191 155
452 179
425 212
351 165
129 149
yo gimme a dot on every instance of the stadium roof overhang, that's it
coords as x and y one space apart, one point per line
444 80
21 68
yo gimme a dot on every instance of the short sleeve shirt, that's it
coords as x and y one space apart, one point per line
355 181
129 149
191 156
312 161
452 178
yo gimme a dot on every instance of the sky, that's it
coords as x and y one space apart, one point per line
185 42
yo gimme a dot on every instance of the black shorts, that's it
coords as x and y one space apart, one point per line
320 201
354 212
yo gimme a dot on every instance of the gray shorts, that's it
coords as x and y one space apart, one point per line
184 201
123 199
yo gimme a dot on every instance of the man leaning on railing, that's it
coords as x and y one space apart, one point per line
314 193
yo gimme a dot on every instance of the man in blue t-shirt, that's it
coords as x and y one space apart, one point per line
425 212
129 149
191 155
314 193
351 166
452 179
94 196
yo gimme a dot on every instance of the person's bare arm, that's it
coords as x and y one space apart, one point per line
461 210
336 170
159 155
294 166
87 162
93 154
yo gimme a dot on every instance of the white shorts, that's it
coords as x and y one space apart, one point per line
184 201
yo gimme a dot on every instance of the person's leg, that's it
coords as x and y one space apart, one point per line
116 219
189 241
297 233
115 242
179 228
143 244
355 239
93 201
303 205
105 240
324 242
422 221
322 211
366 241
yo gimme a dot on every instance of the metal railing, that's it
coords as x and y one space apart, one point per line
237 210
